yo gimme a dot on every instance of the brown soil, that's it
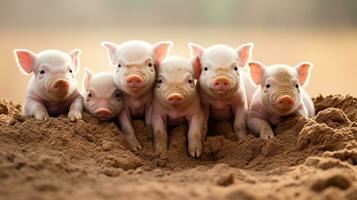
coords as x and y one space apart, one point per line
56 159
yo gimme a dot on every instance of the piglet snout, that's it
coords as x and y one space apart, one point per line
175 98
103 112
285 102
60 87
221 83
134 81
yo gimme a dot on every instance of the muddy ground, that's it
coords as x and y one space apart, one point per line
56 159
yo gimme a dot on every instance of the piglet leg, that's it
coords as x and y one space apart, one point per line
195 133
35 108
205 110
260 126
128 131
148 114
76 109
160 133
239 124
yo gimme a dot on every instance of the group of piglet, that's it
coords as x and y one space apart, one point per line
217 83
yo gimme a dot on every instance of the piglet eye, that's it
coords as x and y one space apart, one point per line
89 94
117 95
206 68
70 71
42 71
119 65
236 68
150 64
159 81
267 85
297 86
190 81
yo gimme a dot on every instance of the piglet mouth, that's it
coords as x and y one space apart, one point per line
103 113
59 88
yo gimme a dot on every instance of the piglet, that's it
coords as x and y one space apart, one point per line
281 93
134 63
221 83
176 99
101 96
53 87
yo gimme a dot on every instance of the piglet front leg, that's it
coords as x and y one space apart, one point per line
195 135
160 133
35 108
76 109
239 124
261 127
128 130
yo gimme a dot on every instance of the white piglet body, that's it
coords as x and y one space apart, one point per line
101 96
52 89
281 93
176 99
135 63
222 85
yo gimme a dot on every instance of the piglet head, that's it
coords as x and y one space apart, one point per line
135 63
280 85
101 97
54 71
175 84
218 67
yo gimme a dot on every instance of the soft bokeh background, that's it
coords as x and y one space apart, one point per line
284 31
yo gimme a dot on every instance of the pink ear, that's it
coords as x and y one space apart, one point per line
303 69
75 53
87 78
197 69
196 50
245 53
161 50
25 60
256 70
112 49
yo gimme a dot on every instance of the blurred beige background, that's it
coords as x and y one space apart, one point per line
321 31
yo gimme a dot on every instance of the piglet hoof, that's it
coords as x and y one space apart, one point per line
74 116
195 149
41 116
266 134
134 144
241 135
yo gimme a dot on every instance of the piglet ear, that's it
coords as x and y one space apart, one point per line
25 60
196 50
256 70
88 74
303 69
111 50
197 68
245 53
161 50
74 54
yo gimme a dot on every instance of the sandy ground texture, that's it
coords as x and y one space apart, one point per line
56 159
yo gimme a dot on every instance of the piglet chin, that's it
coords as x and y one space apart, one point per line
103 113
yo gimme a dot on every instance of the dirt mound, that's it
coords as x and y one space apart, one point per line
57 159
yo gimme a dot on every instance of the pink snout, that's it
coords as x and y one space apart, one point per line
60 87
175 98
103 113
221 84
285 102
134 81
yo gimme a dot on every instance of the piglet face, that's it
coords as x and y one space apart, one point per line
219 67
101 97
135 63
175 85
281 86
54 71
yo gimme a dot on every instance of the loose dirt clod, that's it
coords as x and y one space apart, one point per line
57 159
